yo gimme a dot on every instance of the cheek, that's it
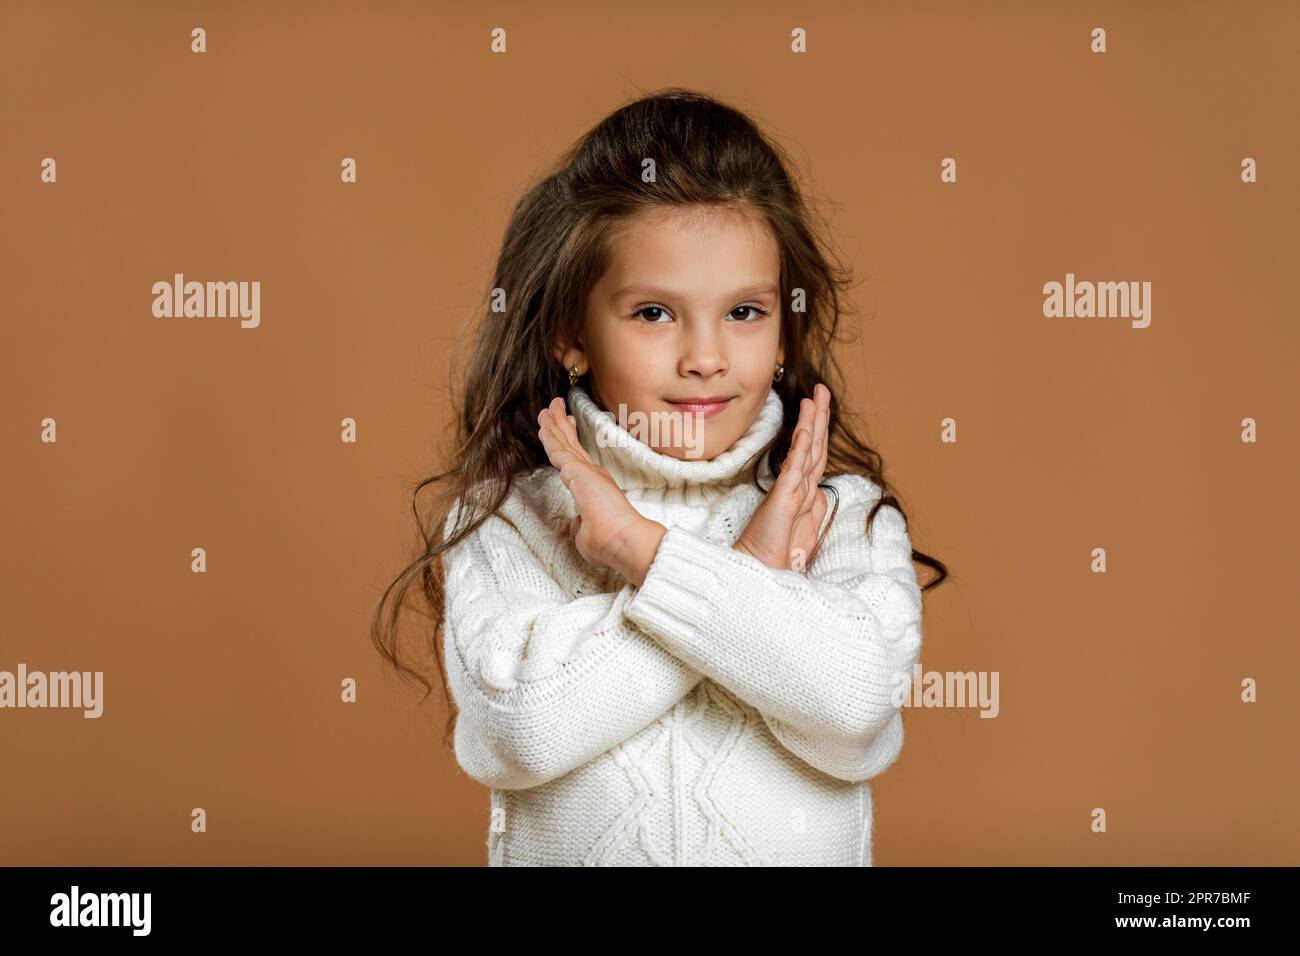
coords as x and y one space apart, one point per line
756 368
631 383
613 374
757 347
637 368
632 355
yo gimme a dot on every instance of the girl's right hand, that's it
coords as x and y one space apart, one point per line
607 531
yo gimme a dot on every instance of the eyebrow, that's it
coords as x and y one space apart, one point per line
654 292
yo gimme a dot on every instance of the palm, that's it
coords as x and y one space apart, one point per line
803 536
782 532
603 510
602 506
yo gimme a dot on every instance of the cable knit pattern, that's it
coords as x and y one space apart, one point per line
722 713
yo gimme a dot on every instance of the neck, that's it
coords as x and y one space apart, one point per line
638 468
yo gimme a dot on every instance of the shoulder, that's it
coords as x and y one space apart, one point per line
853 488
532 508
857 495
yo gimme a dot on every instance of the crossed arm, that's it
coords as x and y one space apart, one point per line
546 682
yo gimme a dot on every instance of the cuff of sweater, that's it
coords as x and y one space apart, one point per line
674 599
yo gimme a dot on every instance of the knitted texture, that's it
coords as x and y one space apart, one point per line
722 713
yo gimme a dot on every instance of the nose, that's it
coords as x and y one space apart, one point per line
702 352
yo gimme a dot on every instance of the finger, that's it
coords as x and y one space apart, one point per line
821 430
808 420
819 511
814 463
567 427
818 516
792 477
559 435
802 425
571 430
807 410
558 447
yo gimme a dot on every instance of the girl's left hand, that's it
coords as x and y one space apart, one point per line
782 531
607 530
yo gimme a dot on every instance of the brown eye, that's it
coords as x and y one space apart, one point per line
648 308
751 308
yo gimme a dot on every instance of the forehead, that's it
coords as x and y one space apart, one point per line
691 251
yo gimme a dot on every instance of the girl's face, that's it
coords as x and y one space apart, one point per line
688 309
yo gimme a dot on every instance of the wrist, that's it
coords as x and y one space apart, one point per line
742 546
637 548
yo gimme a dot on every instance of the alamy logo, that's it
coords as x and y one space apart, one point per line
102 909
659 430
210 300
75 689
948 689
1126 300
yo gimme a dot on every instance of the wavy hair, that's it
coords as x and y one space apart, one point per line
555 249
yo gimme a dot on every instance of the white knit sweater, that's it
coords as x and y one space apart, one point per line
722 713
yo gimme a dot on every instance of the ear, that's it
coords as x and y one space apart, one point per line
567 355
570 355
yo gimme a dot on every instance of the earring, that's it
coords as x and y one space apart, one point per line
573 374
780 372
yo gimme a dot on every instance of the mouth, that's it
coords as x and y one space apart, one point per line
708 406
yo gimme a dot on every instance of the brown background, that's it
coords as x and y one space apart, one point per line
222 689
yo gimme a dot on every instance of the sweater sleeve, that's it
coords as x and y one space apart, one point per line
822 655
544 681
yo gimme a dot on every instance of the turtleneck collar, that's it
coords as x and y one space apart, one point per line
634 465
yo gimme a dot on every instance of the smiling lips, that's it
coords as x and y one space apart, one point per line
708 406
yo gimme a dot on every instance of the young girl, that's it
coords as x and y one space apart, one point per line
664 648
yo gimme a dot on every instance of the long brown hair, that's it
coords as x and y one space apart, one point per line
554 251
